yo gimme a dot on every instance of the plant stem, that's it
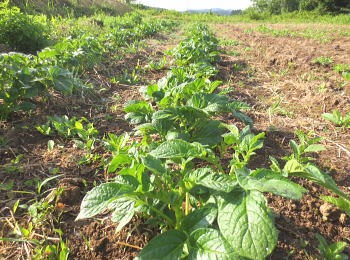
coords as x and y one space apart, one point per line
178 215
160 213
187 207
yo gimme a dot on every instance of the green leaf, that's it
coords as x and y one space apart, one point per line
153 164
62 80
123 211
173 149
138 111
332 251
135 118
293 166
207 243
98 199
314 148
208 178
169 113
208 132
138 106
117 161
341 203
243 117
269 181
294 147
244 221
171 135
167 246
334 118
313 173
200 218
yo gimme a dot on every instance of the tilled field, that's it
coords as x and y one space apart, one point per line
275 75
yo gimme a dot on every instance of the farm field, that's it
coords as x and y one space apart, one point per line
214 140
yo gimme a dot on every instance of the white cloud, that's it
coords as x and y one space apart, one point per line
182 5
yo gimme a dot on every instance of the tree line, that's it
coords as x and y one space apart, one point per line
283 6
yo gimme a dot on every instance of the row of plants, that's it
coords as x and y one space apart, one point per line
27 79
173 171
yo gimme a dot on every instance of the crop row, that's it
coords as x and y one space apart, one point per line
175 176
24 78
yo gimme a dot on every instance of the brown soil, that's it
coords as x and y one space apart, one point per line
280 70
274 69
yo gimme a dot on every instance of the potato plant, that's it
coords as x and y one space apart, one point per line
175 179
25 77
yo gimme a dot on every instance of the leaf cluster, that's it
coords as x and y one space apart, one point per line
22 32
175 179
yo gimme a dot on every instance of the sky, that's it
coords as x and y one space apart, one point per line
182 5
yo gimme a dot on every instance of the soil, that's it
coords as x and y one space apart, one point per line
274 70
279 70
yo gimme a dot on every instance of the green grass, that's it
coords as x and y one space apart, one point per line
72 8
294 17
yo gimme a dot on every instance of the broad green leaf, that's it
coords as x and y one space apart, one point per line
199 218
171 135
209 102
334 118
98 199
269 181
117 161
191 113
166 246
138 111
208 132
169 113
173 149
243 117
314 148
207 243
146 129
313 173
135 118
245 222
293 166
251 142
153 164
208 178
123 211
62 80
135 106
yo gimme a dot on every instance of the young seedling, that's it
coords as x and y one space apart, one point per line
336 118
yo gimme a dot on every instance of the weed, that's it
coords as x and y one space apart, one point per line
331 251
336 118
323 61
343 69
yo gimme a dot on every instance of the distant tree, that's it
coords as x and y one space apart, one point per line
236 12
281 6
276 6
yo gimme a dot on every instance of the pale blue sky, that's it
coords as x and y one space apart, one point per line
182 5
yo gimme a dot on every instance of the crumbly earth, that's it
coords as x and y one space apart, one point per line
288 92
274 74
